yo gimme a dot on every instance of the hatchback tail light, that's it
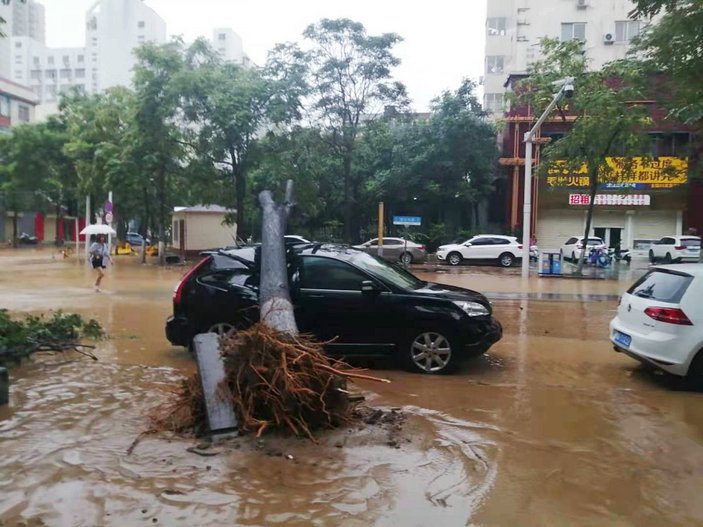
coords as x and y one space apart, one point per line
680 248
669 315
178 292
579 246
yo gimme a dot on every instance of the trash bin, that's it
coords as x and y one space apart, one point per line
545 264
556 263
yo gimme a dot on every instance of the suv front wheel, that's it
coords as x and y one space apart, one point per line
429 351
506 259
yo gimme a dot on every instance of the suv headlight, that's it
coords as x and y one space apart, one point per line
473 309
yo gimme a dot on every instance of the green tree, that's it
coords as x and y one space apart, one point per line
607 122
672 49
351 82
34 169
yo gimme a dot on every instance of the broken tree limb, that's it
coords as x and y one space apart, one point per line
276 309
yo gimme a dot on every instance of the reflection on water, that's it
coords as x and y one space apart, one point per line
550 428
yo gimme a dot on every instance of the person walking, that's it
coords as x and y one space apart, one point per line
99 252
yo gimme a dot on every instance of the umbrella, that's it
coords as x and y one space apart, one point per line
98 228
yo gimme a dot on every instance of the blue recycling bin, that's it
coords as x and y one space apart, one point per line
545 264
556 263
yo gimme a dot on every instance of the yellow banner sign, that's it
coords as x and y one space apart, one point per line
636 172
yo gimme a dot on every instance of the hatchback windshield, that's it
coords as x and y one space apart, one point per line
393 274
595 241
663 286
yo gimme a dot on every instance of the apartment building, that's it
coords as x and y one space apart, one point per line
514 29
17 104
229 45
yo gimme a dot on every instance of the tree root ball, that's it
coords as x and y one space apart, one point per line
275 382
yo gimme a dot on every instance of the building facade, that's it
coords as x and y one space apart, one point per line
17 104
660 195
514 29
229 46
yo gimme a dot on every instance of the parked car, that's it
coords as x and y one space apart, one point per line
396 250
573 246
485 247
660 321
360 304
294 239
676 249
136 239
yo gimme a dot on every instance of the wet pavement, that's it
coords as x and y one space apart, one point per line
550 428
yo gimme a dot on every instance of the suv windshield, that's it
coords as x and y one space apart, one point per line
690 242
595 241
392 274
663 286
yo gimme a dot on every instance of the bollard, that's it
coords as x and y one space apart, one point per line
4 386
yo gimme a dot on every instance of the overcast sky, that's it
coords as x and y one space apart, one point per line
444 39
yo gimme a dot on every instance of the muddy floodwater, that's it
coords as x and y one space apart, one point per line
551 427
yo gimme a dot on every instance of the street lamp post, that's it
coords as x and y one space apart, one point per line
566 88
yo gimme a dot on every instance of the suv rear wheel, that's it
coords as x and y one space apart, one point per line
429 351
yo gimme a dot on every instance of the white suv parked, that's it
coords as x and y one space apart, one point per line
676 249
484 247
660 320
573 246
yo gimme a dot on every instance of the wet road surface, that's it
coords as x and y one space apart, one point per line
550 428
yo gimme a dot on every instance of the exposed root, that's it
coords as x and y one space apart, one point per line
275 382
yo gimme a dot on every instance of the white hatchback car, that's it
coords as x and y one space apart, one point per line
660 320
676 249
573 246
485 247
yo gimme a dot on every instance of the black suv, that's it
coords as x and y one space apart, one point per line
364 305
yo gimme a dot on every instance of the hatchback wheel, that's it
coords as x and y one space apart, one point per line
667 258
454 259
573 257
429 352
694 378
406 258
652 259
506 259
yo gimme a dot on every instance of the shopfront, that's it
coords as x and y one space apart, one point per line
641 201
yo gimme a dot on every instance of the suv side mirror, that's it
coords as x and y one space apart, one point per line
467 244
368 286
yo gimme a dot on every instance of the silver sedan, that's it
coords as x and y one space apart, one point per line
396 250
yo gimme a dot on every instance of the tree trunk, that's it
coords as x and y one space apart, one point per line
589 218
349 234
241 188
162 215
14 227
57 241
276 309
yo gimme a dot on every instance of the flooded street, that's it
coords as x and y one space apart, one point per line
551 427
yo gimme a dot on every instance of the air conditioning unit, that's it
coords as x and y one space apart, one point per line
480 80
608 38
581 4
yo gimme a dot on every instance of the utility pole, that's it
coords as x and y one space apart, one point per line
566 87
380 230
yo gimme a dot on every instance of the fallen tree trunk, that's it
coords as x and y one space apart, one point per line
276 309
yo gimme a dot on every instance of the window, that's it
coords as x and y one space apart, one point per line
66 60
662 286
18 45
481 241
80 73
571 241
626 30
92 24
573 31
676 144
81 59
494 64
23 113
493 102
50 60
36 61
35 74
392 241
326 273
141 24
140 38
495 26
18 59
222 36
4 106
19 75
65 74
50 74
94 40
500 241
